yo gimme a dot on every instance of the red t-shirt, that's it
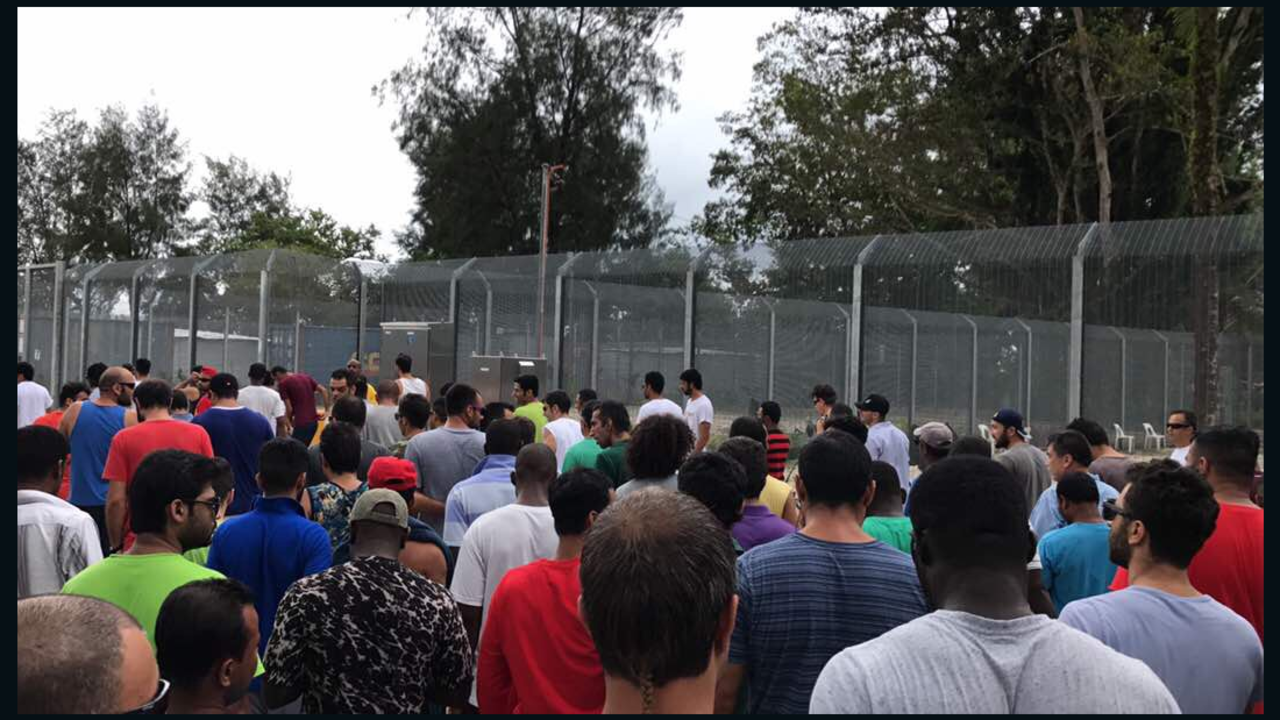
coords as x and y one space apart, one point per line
131 445
535 654
779 448
300 390
204 404
1229 566
51 420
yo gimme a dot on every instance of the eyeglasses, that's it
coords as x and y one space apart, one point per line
1177 426
128 385
212 503
1110 511
156 705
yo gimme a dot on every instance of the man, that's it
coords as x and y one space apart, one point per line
656 449
131 445
525 393
934 440
489 489
1075 562
448 454
1229 566
237 434
410 385
354 367
80 656
611 427
207 647
1108 463
439 414
884 440
350 410
273 545
33 398
537 657
561 431
698 412
1069 452
1209 657
856 586
342 382
758 524
55 540
70 394
885 519
369 635
90 427
495 411
142 369
506 538
824 399
180 407
661 649
1180 431
1029 465
776 495
584 453
380 424
424 551
654 383
264 400
413 416
298 390
778 443
205 401
585 395
982 650
977 447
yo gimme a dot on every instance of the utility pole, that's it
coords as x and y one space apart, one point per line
548 172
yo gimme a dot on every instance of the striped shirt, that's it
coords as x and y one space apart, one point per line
802 600
779 447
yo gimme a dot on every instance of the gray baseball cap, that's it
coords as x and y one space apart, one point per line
935 435
370 506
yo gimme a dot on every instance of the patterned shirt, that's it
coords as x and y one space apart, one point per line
331 507
369 636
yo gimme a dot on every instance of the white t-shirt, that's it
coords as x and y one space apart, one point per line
567 433
659 406
264 401
697 412
33 401
1179 455
413 386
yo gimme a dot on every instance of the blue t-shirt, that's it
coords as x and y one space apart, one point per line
90 442
1075 562
801 601
268 549
238 435
489 489
1209 657
1045 517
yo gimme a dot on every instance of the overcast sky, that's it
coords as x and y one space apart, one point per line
289 91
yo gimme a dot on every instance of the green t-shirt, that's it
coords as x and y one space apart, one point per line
892 531
582 454
612 461
199 556
533 411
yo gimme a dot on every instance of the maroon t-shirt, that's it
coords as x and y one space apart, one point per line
300 390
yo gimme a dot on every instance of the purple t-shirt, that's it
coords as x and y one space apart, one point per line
758 526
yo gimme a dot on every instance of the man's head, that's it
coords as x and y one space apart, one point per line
658 445
654 383
81 655
351 410
748 427
690 380
465 403
340 448
41 452
258 374
751 455
279 372
1181 428
872 410
388 393
168 497
525 389
556 404
680 626
504 437
1008 428
224 386
496 411
282 467
823 397
587 411
935 440
354 366
1162 517
394 474
770 414
179 403
971 445
847 424
207 639
439 414
72 393
341 382
118 383
404 363
889 495
93 373
1092 432
152 395
414 413
1068 451
142 368
1077 497
577 498
379 524
26 371
718 482
444 389
610 422
1226 456
535 465
835 472
207 373
585 396
217 472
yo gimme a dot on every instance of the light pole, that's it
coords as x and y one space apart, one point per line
548 172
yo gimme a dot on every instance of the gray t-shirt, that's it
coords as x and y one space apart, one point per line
1030 467
1209 657
1111 470
636 485
444 457
381 426
955 662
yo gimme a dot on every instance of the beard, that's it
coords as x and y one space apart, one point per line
197 537
123 402
1118 551
1002 442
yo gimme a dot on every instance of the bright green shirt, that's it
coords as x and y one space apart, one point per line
199 556
582 454
534 412
612 461
892 531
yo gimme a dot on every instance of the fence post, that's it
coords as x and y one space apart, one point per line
1124 367
915 347
557 339
1026 409
57 356
26 313
690 290
595 335
855 321
773 345
1165 339
84 312
361 313
1248 386
192 339
264 301
973 380
1075 354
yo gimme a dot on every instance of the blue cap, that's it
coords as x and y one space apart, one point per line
1011 418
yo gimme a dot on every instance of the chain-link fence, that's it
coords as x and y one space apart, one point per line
1055 321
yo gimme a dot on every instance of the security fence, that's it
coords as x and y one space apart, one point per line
1056 321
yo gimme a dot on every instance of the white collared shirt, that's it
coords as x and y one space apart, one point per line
56 540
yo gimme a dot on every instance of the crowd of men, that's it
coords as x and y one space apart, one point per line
288 545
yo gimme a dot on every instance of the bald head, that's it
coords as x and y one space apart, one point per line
535 464
113 376
81 655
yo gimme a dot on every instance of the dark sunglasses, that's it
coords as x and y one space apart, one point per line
1177 426
1110 511
156 705
128 385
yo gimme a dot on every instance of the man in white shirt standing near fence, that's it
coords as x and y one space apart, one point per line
264 400
885 441
654 383
33 398
698 413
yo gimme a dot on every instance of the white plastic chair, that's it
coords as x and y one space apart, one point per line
1121 437
1151 436
985 431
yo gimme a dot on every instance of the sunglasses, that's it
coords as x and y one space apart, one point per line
128 385
156 705
1110 511
213 504
1177 426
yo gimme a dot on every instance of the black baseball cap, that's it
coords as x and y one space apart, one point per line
874 403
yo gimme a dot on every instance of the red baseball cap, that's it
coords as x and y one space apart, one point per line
393 474
208 371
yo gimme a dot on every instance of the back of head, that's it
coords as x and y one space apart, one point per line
440 410
971 445
835 469
351 410
26 370
39 450
528 383
847 424
1078 488
771 410
616 413
576 494
340 447
460 397
586 395
637 537
504 437
94 373
888 487
179 403
151 394
224 386
1176 506
1091 431
404 363
142 365
748 427
70 391
693 377
843 410
655 380
751 455
559 400
201 625
492 412
280 462
415 410
658 445
972 513
388 391
1070 442
528 431
258 373
70 655
825 393
444 389
716 481
215 471
1232 452
535 464
589 409
161 478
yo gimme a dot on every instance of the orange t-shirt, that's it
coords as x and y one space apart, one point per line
52 420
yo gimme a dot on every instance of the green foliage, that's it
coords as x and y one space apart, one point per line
308 231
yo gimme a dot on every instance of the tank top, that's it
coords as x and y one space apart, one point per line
567 432
90 441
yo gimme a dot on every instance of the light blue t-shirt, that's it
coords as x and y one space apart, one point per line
1209 657
1075 562
885 442
1045 517
489 489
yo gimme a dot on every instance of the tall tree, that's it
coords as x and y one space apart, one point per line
1206 192
234 193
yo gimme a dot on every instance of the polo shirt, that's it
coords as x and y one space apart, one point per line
489 489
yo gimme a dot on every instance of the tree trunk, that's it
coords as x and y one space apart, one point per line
1206 191
1096 120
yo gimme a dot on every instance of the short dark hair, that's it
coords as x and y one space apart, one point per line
70 390
162 477
718 482
153 394
693 377
1233 451
528 431
404 362
771 410
658 445
215 471
753 458
528 383
279 370
847 424
971 445
1091 431
1178 509
415 410
39 450
444 389
440 410
835 469
340 447
636 537
1188 416
825 393
351 410
977 508
576 494
586 395
654 379
888 486
127 366
258 373
842 410
26 370
280 462
495 410
558 399
504 437
143 365
1078 487
343 373
93 373
1070 442
748 427
616 413
588 409
179 403
224 385
460 397
200 625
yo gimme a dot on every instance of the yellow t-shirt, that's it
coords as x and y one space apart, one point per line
533 411
775 494
371 394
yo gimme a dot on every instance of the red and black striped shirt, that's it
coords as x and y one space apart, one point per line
779 446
